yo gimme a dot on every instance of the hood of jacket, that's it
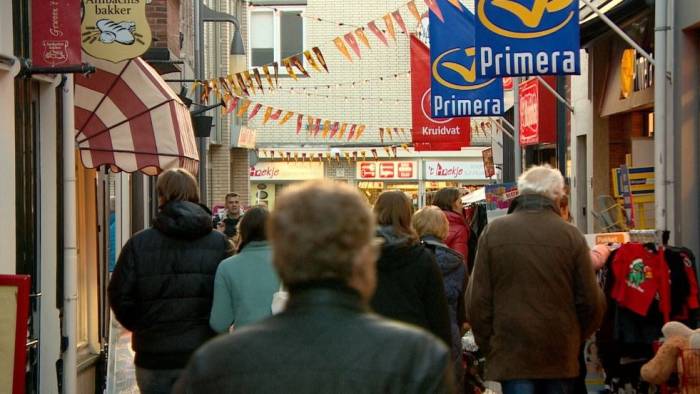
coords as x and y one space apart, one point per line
447 259
455 219
397 251
532 202
184 220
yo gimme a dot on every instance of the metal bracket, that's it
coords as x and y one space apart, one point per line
27 70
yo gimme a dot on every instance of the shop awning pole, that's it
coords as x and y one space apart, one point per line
503 129
660 29
620 32
70 243
516 128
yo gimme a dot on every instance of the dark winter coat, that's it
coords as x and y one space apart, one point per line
324 342
163 284
410 287
458 235
533 298
453 275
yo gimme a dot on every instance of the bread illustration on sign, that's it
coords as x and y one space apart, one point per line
108 32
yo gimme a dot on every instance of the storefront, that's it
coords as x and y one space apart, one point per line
268 179
373 177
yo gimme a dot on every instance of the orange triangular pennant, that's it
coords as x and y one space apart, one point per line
399 20
311 61
360 33
286 117
266 116
414 10
350 39
342 48
288 65
390 26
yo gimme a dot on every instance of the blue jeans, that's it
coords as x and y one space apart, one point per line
540 386
156 381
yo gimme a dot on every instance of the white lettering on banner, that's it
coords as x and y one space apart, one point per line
529 115
526 63
426 130
454 170
464 107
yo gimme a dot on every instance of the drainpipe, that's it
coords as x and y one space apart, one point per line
70 244
660 29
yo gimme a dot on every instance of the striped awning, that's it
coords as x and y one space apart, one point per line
127 117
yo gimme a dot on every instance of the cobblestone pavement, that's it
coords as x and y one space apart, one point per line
121 378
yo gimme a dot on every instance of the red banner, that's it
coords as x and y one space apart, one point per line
429 133
56 33
538 116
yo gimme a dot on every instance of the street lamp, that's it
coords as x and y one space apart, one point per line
202 14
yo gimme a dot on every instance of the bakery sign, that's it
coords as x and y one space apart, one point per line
387 170
454 170
115 30
294 171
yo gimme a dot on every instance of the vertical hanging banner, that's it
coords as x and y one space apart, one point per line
429 133
115 31
56 33
537 38
456 89
537 106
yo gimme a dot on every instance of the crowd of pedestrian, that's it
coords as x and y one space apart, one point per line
378 297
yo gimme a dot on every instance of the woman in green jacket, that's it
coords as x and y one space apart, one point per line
245 283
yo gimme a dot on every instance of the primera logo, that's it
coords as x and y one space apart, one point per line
450 60
543 18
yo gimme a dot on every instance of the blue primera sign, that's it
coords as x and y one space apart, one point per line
527 37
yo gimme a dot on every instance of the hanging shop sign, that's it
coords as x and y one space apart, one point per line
540 37
537 113
430 133
489 167
457 90
247 137
387 170
56 33
443 170
292 171
115 30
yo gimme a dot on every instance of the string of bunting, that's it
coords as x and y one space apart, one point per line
351 84
316 126
391 151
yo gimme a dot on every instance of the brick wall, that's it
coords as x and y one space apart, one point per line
157 15
239 174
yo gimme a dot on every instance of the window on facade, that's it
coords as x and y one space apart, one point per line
275 35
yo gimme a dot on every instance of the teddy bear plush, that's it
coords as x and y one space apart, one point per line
677 338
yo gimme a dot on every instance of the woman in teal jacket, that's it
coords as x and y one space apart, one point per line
245 283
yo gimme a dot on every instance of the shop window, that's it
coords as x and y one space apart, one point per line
276 35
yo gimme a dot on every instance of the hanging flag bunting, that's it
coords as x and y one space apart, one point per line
381 134
272 154
289 156
296 156
435 7
351 133
514 39
360 130
405 147
456 88
347 156
254 112
337 157
232 82
300 117
276 67
310 121
317 127
249 81
364 155
311 61
241 83
303 157
374 154
354 155
194 87
320 157
266 116
456 4
276 115
388 151
350 39
390 26
226 89
288 65
399 20
266 71
414 11
373 27
342 131
388 131
394 150
334 129
296 61
360 33
321 59
232 105
258 80
430 133
286 117
342 48
326 128
243 109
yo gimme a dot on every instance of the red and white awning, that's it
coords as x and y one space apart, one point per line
127 117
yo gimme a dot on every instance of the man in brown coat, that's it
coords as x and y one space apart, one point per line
533 299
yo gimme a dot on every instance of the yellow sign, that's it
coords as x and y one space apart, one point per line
115 30
468 73
530 17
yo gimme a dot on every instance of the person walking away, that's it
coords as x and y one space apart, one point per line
432 227
326 340
162 286
410 286
226 221
533 298
245 283
449 200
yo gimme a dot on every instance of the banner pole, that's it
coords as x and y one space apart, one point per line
516 127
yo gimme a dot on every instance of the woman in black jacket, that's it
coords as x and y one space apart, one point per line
163 284
409 281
